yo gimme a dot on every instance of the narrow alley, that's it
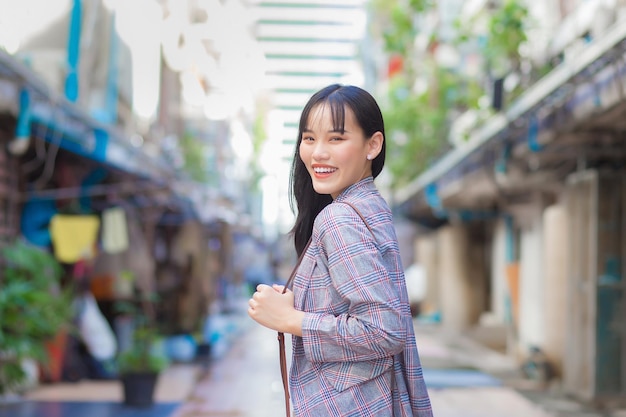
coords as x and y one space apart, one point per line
242 379
246 382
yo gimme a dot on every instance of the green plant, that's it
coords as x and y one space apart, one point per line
145 354
33 309
425 95
506 33
194 158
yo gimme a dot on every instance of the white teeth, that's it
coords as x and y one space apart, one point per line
324 170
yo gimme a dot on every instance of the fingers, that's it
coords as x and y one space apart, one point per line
255 301
276 287
281 288
252 305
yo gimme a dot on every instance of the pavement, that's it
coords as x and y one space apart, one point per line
246 382
466 378
242 379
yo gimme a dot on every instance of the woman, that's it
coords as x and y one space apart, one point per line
354 350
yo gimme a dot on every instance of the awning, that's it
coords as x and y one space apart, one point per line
58 121
55 119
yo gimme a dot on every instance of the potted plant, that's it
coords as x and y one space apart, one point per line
140 364
34 310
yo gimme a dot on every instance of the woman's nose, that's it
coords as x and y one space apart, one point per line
319 151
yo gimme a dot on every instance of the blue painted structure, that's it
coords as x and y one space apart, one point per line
73 52
54 118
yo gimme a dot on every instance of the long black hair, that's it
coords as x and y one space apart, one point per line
303 198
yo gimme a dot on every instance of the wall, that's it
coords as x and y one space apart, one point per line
531 289
9 216
426 254
555 274
499 285
457 296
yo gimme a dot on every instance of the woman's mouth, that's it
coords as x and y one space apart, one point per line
321 172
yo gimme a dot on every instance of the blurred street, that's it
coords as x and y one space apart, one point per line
246 381
146 161
242 379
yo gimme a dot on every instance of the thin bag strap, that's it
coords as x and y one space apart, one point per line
283 372
281 335
360 215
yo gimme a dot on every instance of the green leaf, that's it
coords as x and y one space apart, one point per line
33 308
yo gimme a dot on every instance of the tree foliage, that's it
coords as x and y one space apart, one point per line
423 97
506 34
194 157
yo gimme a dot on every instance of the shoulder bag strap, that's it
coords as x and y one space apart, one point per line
281 335
360 215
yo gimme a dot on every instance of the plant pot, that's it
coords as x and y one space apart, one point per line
139 388
56 349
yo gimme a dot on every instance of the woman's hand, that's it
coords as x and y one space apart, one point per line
274 310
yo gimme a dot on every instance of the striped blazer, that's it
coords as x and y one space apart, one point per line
357 356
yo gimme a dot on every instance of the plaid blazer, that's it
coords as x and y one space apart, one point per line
357 356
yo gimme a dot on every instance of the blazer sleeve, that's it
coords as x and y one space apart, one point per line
366 323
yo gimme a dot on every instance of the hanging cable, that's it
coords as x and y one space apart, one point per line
53 149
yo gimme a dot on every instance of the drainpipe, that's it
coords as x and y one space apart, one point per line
73 52
502 163
509 254
533 133
510 239
111 86
433 200
20 143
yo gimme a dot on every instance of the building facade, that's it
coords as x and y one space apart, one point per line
523 224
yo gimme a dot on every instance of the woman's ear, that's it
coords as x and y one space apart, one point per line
375 144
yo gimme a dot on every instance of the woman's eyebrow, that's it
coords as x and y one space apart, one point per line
307 130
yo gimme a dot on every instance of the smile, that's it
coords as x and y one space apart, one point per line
324 170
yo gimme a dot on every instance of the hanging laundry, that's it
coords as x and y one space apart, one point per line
74 236
114 230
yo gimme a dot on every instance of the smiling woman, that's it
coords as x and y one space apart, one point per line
336 156
346 303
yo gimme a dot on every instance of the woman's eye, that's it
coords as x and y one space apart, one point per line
336 138
307 139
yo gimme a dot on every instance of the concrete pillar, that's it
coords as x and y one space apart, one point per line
581 200
555 283
499 286
477 272
426 256
406 232
531 282
456 294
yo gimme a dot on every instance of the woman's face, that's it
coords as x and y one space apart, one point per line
336 160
